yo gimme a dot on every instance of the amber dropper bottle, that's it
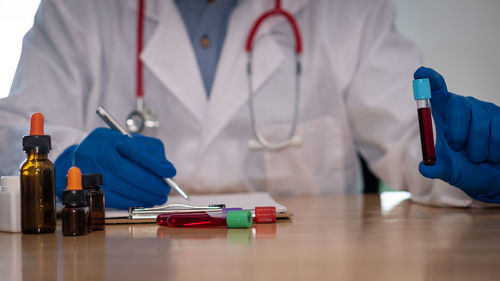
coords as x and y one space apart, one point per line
95 199
38 212
75 214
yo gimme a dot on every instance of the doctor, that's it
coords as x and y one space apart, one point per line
355 96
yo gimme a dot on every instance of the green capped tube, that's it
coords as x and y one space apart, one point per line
239 219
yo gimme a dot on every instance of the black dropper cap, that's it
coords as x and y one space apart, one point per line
74 198
91 181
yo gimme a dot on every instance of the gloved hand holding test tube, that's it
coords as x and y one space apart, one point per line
467 153
113 124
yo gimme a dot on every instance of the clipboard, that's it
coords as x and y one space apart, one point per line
205 203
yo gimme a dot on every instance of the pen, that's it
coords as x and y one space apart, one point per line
113 124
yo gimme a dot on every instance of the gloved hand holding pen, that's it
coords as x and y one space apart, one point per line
133 168
467 141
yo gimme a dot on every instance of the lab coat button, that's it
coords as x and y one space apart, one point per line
205 41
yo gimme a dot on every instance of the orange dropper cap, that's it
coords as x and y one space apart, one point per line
36 124
74 180
37 140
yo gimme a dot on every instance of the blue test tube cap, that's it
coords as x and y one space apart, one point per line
421 89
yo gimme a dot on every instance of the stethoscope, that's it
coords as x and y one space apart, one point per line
260 142
144 120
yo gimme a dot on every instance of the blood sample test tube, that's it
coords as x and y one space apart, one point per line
191 219
422 95
233 219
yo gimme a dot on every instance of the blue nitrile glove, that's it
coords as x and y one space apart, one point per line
467 141
133 168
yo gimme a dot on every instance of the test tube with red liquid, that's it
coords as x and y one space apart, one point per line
232 219
191 219
422 95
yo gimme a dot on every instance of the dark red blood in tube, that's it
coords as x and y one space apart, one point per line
426 136
193 219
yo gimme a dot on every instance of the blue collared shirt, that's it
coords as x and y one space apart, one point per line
206 23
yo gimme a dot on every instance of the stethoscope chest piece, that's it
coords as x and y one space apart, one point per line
143 122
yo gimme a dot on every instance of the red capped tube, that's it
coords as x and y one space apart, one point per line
265 215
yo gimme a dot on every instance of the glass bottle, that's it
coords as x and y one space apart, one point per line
91 183
75 214
38 212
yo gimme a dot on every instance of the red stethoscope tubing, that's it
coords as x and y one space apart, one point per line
139 93
276 11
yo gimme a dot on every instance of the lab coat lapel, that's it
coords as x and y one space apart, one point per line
230 88
170 57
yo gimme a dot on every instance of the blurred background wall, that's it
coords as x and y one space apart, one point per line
460 39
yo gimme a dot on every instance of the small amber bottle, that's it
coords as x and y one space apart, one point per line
95 199
38 212
75 214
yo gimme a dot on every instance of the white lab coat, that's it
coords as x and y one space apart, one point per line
355 94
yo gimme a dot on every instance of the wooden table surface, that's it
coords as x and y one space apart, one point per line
330 238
